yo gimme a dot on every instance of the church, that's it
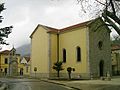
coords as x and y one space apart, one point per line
85 47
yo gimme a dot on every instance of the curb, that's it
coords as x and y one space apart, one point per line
61 84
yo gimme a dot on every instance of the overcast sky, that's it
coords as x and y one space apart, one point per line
25 15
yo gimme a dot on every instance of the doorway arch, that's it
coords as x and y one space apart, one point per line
13 68
101 67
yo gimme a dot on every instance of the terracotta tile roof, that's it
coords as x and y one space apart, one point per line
115 47
54 30
68 28
5 52
27 58
46 27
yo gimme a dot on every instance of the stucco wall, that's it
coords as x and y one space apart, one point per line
3 65
53 51
70 41
39 52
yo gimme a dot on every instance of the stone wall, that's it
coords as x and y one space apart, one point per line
100 49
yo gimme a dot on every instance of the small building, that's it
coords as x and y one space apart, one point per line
26 65
85 47
10 63
115 56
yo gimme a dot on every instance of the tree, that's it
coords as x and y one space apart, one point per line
69 69
58 67
110 12
116 40
4 32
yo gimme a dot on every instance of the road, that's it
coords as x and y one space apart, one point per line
32 84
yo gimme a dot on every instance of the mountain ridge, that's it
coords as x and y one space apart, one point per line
24 50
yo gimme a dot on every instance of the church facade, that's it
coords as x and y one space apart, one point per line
85 47
10 63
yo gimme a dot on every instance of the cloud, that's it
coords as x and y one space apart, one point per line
24 15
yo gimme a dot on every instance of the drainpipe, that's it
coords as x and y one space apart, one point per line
0 61
117 62
57 47
0 64
49 55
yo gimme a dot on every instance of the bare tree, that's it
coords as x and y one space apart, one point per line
110 11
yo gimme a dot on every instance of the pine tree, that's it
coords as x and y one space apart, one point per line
5 31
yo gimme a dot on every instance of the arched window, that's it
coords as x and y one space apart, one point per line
78 54
100 44
64 55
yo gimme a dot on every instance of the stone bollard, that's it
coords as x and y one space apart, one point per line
102 78
108 78
79 76
91 76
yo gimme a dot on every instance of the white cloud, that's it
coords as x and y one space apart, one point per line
24 15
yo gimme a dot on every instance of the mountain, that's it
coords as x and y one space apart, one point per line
24 50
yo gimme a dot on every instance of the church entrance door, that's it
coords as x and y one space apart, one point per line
101 67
